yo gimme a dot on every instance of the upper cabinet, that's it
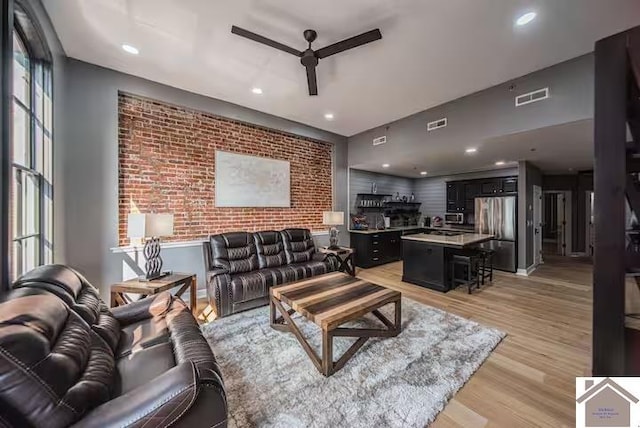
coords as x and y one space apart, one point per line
461 194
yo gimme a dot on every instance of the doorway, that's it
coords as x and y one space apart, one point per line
556 225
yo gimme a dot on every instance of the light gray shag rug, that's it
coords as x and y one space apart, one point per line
403 381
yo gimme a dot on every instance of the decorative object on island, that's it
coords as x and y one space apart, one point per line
333 219
150 227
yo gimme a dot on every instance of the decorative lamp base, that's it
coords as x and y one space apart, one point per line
153 264
333 239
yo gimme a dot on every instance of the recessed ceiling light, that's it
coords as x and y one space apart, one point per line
471 150
526 18
385 165
130 49
423 173
499 163
257 91
328 116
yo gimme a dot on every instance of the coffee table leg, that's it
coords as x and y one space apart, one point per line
398 315
327 353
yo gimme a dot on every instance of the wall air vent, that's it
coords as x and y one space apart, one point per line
379 140
532 97
437 124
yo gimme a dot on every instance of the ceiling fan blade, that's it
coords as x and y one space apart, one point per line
312 80
260 39
353 42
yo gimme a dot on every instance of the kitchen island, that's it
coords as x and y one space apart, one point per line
426 256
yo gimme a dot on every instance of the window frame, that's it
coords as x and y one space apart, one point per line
39 63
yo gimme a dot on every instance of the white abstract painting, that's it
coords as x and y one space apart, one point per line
251 181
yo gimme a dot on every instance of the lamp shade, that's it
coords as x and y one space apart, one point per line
332 218
149 225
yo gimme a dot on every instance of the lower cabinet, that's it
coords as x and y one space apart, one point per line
378 248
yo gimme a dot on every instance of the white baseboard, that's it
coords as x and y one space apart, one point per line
526 272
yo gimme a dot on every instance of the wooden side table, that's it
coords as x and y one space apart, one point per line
186 281
345 256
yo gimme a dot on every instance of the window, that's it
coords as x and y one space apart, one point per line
32 191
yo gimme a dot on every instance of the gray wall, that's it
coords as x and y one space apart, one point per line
432 191
528 176
486 114
360 182
88 160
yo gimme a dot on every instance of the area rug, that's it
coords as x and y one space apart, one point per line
404 381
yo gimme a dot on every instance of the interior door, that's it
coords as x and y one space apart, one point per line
537 225
562 225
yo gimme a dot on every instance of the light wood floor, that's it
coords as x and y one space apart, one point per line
529 379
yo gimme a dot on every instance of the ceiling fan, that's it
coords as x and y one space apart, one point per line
309 58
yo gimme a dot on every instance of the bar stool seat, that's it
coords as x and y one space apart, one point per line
486 267
469 264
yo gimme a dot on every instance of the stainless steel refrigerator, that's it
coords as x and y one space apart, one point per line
497 216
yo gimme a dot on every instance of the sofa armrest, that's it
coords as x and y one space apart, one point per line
142 309
219 291
160 402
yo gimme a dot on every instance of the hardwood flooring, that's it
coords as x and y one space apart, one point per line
529 379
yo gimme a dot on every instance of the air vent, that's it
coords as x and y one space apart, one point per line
437 124
379 140
532 97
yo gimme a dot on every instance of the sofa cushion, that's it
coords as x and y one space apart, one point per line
253 285
235 252
54 367
270 249
142 334
82 297
298 245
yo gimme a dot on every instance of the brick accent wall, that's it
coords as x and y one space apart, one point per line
167 164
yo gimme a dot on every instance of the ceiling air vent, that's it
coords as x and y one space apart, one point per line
437 124
379 140
532 97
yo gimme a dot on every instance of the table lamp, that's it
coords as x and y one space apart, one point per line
150 227
333 219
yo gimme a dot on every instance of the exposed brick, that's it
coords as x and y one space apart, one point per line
167 164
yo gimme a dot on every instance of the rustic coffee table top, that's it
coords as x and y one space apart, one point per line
333 299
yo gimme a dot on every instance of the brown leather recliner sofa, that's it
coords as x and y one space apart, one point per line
242 267
68 360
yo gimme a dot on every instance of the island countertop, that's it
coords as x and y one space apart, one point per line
459 241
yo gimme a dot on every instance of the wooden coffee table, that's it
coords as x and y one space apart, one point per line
329 301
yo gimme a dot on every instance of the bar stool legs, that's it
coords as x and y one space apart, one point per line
470 265
487 265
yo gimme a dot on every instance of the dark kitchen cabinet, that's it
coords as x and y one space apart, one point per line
510 185
491 187
456 196
377 248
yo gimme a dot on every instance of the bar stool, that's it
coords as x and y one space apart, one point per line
469 264
486 268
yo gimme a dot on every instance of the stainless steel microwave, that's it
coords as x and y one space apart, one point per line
454 218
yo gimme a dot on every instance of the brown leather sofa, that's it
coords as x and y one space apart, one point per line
67 360
241 266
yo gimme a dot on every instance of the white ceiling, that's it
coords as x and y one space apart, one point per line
432 51
559 149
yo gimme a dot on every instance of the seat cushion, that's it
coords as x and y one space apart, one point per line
313 268
142 366
253 285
